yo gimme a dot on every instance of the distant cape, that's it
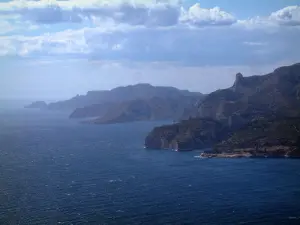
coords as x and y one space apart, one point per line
125 104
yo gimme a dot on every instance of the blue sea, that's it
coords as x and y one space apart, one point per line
58 171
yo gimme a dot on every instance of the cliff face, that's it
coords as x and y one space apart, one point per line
187 135
272 97
277 92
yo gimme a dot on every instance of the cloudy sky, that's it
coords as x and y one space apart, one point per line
54 49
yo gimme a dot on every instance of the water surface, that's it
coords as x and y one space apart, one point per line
58 171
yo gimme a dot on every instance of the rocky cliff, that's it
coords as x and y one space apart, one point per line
189 134
276 92
257 98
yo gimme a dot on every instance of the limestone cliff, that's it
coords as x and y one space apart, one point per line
271 97
187 135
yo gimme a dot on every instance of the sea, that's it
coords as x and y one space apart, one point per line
54 170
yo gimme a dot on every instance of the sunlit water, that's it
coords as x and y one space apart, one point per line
58 171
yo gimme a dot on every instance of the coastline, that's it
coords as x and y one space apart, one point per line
269 152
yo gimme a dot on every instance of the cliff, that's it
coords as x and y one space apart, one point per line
189 134
276 92
273 97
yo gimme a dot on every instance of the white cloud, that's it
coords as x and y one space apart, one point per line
66 42
205 46
198 16
147 13
288 16
147 31
70 4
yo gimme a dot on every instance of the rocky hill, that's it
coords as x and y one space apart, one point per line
156 108
119 95
126 104
276 136
277 92
257 98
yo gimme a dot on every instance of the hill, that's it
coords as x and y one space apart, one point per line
120 94
272 97
276 92
129 103
156 108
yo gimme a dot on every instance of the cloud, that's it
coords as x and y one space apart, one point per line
50 14
288 16
198 16
147 13
194 47
159 14
68 42
5 27
147 31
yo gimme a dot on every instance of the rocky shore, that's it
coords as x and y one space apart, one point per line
270 152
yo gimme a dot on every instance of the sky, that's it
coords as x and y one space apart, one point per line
55 49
